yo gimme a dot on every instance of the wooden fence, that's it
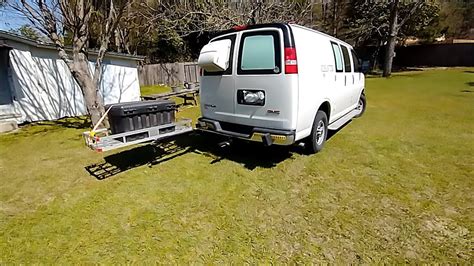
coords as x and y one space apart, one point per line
424 55
169 74
445 55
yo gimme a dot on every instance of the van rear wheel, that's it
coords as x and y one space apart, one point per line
315 142
361 105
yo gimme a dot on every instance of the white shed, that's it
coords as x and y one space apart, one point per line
35 84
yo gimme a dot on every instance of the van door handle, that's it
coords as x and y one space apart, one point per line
345 80
352 78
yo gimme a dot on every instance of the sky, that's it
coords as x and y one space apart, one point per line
11 19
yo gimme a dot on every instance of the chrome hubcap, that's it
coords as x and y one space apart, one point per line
320 132
360 105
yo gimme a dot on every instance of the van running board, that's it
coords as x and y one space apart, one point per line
343 120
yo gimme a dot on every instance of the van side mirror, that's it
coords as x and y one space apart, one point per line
214 57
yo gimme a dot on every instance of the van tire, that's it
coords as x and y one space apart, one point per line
362 103
315 142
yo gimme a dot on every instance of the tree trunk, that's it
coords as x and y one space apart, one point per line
392 40
334 19
81 73
375 56
93 102
389 54
118 40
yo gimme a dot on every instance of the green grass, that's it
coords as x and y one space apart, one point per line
154 89
393 186
186 111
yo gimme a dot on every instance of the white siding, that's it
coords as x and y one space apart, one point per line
44 89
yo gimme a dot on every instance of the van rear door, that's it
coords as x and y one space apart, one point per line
265 94
218 101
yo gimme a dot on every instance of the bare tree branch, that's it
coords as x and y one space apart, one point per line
418 4
54 18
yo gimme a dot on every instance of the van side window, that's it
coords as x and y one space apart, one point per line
356 60
259 53
347 59
228 71
337 56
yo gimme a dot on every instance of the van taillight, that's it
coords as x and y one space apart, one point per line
291 64
239 27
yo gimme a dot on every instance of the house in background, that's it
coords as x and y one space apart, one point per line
35 84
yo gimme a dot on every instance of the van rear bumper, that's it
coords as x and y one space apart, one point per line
266 135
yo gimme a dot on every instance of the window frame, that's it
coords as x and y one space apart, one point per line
355 58
229 70
343 47
277 49
334 54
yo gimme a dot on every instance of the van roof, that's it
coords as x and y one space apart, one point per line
283 26
321 33
288 38
254 26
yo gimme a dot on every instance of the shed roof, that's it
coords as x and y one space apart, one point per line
5 35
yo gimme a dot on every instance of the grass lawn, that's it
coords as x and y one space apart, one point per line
155 89
396 185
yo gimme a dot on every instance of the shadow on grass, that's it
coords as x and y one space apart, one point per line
249 154
69 122
120 162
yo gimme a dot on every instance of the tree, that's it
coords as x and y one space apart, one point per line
55 18
456 18
28 32
337 15
394 28
369 23
171 30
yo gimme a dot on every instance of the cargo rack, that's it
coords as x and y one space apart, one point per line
100 140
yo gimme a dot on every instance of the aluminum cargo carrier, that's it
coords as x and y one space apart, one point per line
100 140
137 122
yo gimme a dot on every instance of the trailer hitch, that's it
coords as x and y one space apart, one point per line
267 139
225 143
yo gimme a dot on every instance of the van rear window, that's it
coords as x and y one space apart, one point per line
259 53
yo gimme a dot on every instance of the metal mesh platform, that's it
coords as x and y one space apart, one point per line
100 140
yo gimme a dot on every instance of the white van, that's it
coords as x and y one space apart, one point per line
279 84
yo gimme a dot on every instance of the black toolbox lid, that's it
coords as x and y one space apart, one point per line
141 107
